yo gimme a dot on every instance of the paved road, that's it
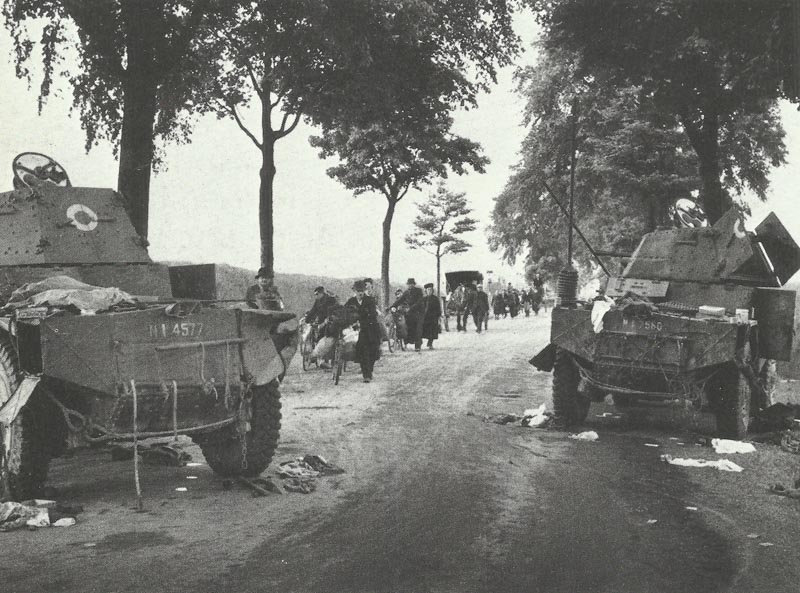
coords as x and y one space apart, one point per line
433 498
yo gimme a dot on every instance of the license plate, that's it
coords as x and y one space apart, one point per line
641 325
175 329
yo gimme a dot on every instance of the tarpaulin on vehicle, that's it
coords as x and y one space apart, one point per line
64 291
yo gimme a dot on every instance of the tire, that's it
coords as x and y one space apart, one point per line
567 408
223 449
733 403
24 467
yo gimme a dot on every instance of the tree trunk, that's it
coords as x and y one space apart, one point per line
705 141
387 246
139 110
438 274
265 189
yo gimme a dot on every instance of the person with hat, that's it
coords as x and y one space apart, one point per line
263 294
479 307
432 311
412 299
363 307
457 303
323 302
369 288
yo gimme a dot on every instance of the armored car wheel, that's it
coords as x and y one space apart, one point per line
733 403
24 465
223 448
568 405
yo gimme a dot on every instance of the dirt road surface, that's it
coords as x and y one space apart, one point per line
434 499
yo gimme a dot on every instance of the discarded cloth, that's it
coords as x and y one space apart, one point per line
536 417
721 464
300 484
15 515
727 446
588 435
64 291
600 307
296 469
319 464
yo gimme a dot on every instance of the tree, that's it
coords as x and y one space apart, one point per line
138 79
632 163
391 160
347 63
440 220
715 66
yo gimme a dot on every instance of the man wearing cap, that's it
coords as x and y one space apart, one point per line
432 311
412 299
263 294
322 306
364 308
480 307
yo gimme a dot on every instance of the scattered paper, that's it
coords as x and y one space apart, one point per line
651 445
181 489
727 446
691 508
589 435
720 464
652 521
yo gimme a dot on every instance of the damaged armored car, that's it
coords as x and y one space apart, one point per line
698 315
96 346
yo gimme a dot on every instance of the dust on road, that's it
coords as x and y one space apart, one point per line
433 499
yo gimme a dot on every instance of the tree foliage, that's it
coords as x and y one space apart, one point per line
441 219
137 80
716 66
632 163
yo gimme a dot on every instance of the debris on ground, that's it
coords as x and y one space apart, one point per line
728 446
776 417
16 515
300 484
322 465
531 418
588 435
260 486
782 490
296 469
152 454
720 464
790 441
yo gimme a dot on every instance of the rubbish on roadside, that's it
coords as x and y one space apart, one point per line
302 485
652 521
691 508
652 445
65 522
90 545
193 464
296 469
766 544
536 417
782 490
155 454
15 515
588 435
181 489
40 519
259 486
42 503
753 535
191 477
720 464
502 418
790 442
727 446
674 438
320 464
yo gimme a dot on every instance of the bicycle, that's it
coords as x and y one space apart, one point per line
308 339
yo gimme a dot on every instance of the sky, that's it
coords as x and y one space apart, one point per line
204 206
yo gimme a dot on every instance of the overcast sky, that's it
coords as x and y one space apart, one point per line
204 207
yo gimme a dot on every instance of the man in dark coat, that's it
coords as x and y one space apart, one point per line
323 302
457 304
411 299
363 307
498 304
480 307
432 311
264 295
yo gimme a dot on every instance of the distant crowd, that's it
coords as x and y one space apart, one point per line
416 315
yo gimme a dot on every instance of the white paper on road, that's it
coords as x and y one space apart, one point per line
535 417
727 446
724 465
589 435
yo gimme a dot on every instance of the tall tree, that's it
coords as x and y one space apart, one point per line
441 219
717 66
138 75
390 160
632 162
348 63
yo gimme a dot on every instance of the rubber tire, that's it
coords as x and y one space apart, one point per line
34 449
223 450
733 406
566 378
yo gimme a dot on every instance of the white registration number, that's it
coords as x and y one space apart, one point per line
638 324
183 329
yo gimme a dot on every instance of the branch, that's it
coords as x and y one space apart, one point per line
253 79
242 127
283 131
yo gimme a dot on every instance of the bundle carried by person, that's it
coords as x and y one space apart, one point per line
340 317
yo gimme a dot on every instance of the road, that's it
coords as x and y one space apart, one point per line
434 499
